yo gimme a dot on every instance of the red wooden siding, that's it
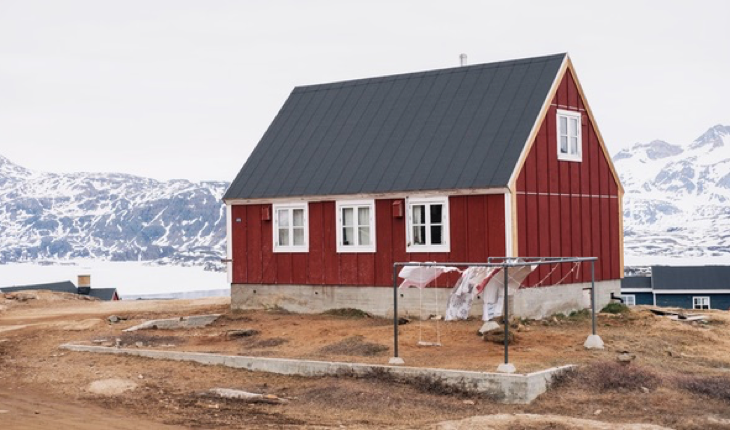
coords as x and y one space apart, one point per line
477 231
566 208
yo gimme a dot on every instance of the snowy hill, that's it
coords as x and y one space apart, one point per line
116 217
677 201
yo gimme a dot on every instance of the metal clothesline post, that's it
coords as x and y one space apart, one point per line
593 297
395 310
506 315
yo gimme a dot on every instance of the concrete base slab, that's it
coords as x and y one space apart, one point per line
594 341
506 368
176 323
503 387
396 361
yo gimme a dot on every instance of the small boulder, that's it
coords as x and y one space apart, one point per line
113 319
489 326
497 336
111 387
625 357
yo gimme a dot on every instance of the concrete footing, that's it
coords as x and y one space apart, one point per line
396 361
506 368
503 387
593 341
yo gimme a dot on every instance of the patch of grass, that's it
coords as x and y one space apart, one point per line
425 383
354 346
278 310
580 315
615 308
608 376
131 339
713 387
269 343
347 313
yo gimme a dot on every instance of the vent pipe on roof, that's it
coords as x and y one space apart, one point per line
84 285
462 60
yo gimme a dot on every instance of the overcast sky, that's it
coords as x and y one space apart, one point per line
185 89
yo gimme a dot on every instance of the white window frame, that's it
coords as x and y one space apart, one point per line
629 298
701 300
428 247
290 207
569 114
355 205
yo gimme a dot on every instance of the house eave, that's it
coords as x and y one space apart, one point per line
374 196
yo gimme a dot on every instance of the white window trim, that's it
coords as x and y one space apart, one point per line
446 246
694 302
275 235
570 114
341 248
626 299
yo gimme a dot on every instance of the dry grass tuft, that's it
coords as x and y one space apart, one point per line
354 346
608 376
713 387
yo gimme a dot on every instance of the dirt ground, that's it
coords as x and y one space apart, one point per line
679 378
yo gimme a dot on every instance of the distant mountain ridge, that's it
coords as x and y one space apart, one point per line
677 203
109 216
677 200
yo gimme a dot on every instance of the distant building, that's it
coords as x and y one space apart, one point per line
688 287
84 289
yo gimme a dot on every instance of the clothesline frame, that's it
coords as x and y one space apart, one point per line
498 262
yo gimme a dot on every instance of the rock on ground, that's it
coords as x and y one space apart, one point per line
111 387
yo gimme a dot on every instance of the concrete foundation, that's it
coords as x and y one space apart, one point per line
526 302
506 388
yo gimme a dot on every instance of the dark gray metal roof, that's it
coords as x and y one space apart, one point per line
691 277
636 282
459 128
103 293
59 287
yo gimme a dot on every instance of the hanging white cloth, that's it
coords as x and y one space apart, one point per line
420 276
493 292
464 292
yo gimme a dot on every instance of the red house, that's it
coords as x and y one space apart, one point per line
460 164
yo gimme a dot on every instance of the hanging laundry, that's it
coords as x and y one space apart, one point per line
493 292
472 280
420 276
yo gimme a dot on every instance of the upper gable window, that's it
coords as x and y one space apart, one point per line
291 228
356 226
569 135
428 224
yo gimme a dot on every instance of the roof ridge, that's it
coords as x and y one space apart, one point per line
409 75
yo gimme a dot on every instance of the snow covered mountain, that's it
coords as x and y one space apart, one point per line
677 200
117 217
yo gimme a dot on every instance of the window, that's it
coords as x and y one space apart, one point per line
629 299
569 135
356 226
700 303
428 225
291 228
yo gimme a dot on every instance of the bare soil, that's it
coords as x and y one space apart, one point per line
684 365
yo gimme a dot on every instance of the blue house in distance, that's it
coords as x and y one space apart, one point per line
687 287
